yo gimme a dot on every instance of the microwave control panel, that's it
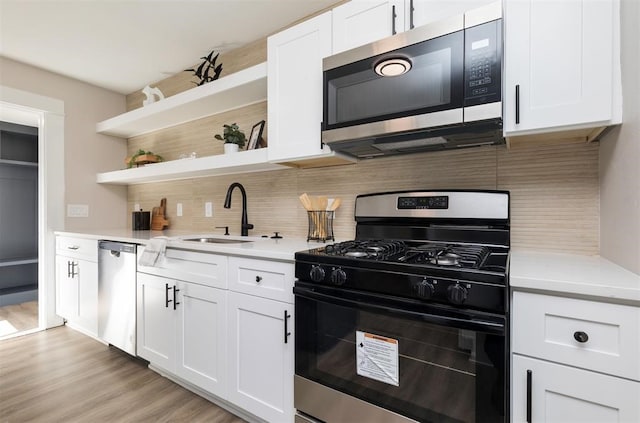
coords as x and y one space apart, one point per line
483 63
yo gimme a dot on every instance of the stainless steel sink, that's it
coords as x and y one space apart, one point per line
218 240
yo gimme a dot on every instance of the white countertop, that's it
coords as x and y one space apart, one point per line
571 274
274 249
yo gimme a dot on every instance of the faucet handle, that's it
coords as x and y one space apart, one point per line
248 226
226 229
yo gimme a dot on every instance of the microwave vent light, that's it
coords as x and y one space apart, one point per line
395 66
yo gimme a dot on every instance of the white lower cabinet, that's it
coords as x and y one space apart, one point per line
564 394
574 360
261 351
77 283
182 329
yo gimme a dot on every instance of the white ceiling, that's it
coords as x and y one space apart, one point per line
123 45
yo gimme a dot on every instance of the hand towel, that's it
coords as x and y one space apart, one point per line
154 249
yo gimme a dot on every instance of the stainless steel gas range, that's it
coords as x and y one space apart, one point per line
409 321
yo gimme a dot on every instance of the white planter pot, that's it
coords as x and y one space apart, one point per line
230 148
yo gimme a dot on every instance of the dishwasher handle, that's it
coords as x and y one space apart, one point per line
116 248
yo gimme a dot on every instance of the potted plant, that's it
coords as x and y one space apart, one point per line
142 157
233 138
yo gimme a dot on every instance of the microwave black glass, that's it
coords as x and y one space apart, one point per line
355 93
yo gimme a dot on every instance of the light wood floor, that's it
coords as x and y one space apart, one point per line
18 317
59 375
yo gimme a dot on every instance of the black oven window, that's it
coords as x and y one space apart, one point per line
445 374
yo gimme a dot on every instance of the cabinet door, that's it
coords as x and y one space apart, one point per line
295 88
360 22
87 278
562 394
156 328
559 57
202 337
260 362
428 11
66 288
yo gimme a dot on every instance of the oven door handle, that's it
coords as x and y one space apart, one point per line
473 325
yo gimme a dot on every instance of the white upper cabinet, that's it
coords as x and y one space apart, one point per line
295 91
360 22
421 12
561 65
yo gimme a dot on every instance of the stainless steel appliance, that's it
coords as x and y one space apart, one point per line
434 87
117 294
409 321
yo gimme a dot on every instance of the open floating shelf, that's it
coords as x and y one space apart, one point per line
221 164
245 87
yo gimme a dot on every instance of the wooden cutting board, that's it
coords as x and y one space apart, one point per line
159 217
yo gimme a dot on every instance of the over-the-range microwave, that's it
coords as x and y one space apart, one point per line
434 87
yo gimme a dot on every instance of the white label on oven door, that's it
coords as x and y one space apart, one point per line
377 357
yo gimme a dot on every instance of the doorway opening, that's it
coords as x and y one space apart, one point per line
18 229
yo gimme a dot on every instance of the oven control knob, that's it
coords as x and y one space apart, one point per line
457 294
424 289
338 277
317 274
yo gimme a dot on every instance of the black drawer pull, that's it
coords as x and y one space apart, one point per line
529 383
175 301
517 104
286 326
258 279
166 295
580 336
393 20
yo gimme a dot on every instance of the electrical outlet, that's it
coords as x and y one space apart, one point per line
179 209
208 209
136 207
77 210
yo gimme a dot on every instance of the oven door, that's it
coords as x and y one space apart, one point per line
426 363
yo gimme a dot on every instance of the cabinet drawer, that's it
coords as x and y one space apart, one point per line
190 266
82 248
264 278
588 334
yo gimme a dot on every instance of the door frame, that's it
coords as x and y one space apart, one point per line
47 114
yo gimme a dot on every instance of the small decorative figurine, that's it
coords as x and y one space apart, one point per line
152 95
203 71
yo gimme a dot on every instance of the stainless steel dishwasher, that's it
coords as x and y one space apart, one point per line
117 294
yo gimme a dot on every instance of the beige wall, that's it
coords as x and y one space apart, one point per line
86 152
620 157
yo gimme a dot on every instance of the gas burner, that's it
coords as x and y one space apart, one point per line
369 249
446 259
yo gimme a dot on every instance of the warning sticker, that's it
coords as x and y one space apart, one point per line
377 357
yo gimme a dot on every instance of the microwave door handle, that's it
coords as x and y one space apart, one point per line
393 20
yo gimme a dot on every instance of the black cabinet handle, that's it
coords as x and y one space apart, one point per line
581 337
411 10
529 380
72 273
517 104
175 301
166 295
68 269
393 20
258 279
286 324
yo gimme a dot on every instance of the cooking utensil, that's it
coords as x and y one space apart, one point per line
158 216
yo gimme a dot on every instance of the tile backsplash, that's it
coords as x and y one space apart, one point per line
554 190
